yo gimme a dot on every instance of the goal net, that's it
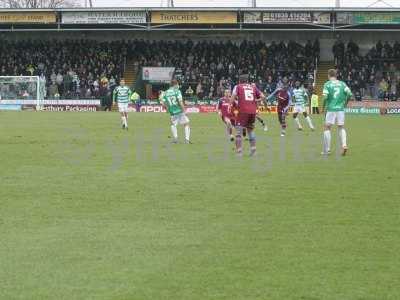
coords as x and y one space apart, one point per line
28 91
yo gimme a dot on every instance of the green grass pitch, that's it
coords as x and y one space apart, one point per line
88 211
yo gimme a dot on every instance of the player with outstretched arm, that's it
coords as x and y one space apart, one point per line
284 101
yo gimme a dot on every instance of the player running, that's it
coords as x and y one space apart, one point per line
284 101
336 94
300 99
225 111
258 118
121 95
173 102
246 96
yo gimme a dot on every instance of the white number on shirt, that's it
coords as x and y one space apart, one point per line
336 91
249 95
172 100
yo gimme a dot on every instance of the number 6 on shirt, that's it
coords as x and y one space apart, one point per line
249 95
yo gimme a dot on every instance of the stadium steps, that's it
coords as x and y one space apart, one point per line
130 73
322 76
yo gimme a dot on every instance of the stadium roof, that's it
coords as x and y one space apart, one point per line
248 3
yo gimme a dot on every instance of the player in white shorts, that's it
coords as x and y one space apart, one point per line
180 119
172 100
121 95
300 99
335 117
336 95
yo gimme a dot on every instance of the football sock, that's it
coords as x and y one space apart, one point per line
297 122
309 122
187 133
327 141
229 130
174 131
239 143
343 137
252 141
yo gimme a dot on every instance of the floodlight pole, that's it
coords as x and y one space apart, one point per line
252 3
337 3
170 3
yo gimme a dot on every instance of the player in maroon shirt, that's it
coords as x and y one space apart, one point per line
284 100
225 110
246 96
258 118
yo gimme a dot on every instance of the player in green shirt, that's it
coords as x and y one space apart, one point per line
336 94
121 95
172 100
300 100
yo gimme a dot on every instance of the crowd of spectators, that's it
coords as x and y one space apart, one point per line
74 69
71 69
375 75
206 68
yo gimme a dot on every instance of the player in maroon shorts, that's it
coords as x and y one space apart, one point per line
225 110
246 96
284 101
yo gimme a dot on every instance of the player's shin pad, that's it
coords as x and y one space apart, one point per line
252 136
343 137
252 140
238 140
174 131
327 141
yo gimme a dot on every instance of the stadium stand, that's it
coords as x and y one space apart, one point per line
375 75
205 69
75 69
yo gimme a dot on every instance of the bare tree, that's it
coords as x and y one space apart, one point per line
38 3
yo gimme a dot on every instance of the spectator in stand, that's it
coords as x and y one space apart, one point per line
383 89
199 91
393 90
372 86
52 90
374 74
338 51
189 92
77 66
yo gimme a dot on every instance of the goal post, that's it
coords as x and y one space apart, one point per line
23 90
